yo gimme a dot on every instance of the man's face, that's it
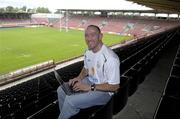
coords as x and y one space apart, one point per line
93 38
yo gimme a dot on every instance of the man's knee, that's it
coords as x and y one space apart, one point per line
59 89
71 105
71 101
76 102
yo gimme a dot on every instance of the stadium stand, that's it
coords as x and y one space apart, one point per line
42 21
37 98
135 27
14 19
40 88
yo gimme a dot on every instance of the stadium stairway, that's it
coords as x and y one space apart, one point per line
169 103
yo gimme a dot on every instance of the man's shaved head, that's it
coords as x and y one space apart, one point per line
95 27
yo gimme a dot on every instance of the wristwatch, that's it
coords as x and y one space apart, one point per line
93 86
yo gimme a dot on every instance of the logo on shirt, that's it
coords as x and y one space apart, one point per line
92 71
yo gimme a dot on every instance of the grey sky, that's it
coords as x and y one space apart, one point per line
73 4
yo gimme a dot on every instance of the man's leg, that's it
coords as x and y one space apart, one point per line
74 103
71 105
61 97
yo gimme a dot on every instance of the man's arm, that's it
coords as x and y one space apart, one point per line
81 76
83 73
107 87
99 87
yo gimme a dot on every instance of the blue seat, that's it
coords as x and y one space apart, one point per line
51 111
132 74
176 70
168 108
121 96
173 87
140 75
177 61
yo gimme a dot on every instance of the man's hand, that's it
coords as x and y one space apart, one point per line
73 81
80 86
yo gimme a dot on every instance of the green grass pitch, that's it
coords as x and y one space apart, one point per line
21 47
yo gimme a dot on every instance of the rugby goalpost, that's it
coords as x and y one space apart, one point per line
66 20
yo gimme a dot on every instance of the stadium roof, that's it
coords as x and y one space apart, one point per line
172 6
97 10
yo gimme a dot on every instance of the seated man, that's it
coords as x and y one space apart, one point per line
98 80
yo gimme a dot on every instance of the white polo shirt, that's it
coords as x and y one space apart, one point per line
103 66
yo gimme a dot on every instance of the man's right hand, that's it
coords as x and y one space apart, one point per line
73 81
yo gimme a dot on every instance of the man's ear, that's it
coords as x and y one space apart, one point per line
100 36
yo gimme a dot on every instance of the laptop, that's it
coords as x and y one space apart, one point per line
65 86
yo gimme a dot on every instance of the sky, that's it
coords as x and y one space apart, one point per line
74 4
